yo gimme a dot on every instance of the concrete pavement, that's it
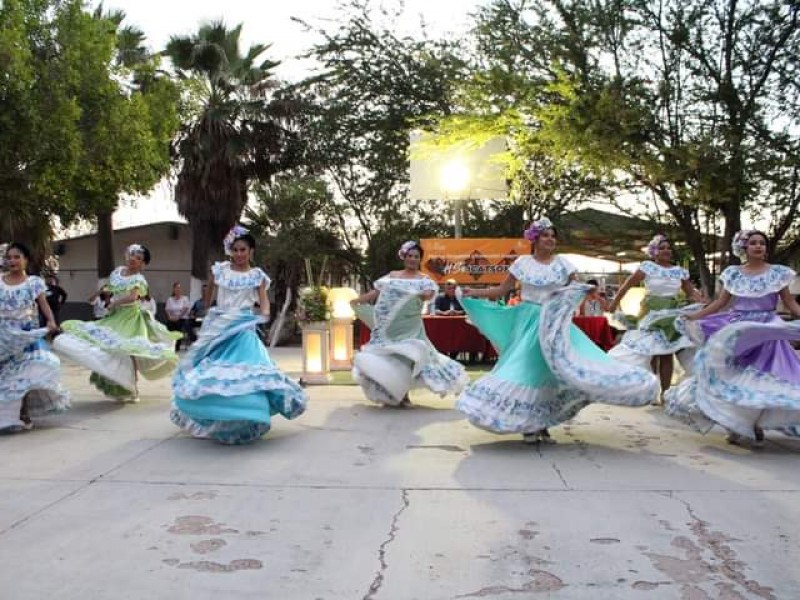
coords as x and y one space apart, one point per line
354 501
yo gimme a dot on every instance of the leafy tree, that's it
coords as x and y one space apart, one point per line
372 89
74 134
238 133
694 103
129 115
39 143
293 222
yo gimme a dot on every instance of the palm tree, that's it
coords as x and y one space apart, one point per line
237 135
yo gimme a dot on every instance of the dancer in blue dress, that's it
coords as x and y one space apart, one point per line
227 388
548 369
29 371
655 340
399 355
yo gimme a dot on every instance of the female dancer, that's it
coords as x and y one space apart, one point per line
126 342
655 340
227 388
399 356
548 369
29 371
747 375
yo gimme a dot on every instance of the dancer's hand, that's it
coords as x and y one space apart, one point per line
52 327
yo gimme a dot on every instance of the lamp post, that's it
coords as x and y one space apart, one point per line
454 178
341 336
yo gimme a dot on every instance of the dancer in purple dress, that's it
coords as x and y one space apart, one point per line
747 375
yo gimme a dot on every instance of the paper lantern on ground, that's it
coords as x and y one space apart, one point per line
341 328
316 356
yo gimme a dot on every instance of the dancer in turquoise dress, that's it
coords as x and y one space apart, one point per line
227 388
399 356
655 340
125 343
29 371
548 369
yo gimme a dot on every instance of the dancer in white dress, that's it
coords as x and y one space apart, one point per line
399 356
29 371
655 340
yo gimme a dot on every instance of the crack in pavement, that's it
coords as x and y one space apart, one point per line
555 469
723 568
377 582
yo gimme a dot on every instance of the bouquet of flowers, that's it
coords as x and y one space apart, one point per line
313 304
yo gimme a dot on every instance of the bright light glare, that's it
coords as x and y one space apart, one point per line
454 176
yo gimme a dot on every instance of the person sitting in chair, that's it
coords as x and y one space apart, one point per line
447 304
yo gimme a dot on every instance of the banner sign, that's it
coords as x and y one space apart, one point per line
471 260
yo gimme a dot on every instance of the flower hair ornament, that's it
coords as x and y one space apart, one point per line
134 249
536 229
652 247
404 249
739 243
234 233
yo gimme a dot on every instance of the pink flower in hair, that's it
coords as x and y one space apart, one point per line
409 245
234 233
536 229
739 243
652 247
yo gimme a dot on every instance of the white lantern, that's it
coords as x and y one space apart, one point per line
316 357
341 328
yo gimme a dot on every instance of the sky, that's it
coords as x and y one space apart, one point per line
267 23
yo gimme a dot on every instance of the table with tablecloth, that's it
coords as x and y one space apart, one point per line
455 334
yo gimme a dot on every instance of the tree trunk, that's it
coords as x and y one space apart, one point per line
105 244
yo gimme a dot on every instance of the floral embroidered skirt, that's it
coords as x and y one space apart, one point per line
28 371
656 335
115 348
548 369
228 388
747 375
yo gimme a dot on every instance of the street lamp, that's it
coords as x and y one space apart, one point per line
454 178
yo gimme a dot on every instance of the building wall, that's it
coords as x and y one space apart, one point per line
170 246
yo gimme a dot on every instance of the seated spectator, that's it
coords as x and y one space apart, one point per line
447 304
100 302
196 314
177 308
595 303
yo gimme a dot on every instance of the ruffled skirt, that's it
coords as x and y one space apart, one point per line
747 375
117 347
656 335
548 369
29 371
227 388
387 371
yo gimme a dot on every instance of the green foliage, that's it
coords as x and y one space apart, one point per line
693 104
235 135
81 120
372 89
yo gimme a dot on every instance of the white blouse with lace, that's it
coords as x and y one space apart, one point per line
237 290
539 280
662 281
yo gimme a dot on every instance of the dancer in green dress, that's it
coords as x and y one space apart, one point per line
128 341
